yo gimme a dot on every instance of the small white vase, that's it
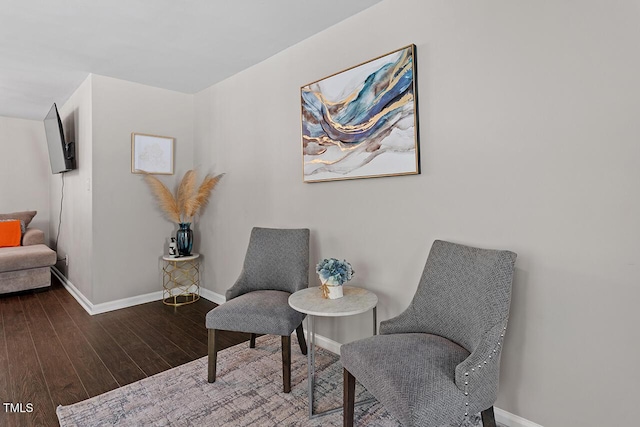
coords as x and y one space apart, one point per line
335 292
334 289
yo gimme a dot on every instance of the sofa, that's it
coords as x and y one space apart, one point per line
27 265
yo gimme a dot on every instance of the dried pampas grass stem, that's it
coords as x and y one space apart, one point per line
200 199
186 190
188 201
165 199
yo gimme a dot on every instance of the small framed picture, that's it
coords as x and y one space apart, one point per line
151 154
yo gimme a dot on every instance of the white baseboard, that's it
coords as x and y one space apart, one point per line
105 306
82 300
125 302
212 296
326 343
511 420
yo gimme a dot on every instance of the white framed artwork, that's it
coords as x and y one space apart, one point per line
151 154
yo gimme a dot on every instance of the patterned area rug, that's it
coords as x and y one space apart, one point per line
247 392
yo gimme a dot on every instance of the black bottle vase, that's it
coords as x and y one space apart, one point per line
184 239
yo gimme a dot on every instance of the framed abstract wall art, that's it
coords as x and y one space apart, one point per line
362 122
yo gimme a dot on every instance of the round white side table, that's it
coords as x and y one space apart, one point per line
181 279
310 301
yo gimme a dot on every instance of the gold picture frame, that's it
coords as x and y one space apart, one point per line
362 122
152 154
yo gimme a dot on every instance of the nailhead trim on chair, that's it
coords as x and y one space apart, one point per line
466 374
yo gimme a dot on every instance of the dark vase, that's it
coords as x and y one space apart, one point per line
184 239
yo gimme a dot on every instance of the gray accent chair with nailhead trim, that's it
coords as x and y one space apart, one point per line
275 266
438 362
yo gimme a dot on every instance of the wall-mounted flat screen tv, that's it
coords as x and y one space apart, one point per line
61 153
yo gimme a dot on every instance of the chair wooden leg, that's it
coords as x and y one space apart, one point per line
349 395
252 341
286 363
213 355
301 340
488 418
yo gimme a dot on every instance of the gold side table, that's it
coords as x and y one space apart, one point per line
181 280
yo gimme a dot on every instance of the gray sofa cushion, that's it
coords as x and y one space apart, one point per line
25 257
33 236
22 280
25 216
260 312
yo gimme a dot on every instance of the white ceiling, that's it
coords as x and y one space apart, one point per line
47 48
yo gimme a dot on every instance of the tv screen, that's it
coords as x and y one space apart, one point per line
61 153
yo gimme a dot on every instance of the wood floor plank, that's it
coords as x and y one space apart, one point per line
170 353
192 313
196 313
164 325
27 380
202 306
143 355
197 317
187 321
139 331
197 330
64 384
5 386
228 339
92 371
117 361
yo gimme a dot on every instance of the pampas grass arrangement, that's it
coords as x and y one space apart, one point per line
189 198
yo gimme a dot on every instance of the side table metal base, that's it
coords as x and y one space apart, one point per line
311 302
311 368
181 280
181 299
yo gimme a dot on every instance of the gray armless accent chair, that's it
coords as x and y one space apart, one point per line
439 361
275 266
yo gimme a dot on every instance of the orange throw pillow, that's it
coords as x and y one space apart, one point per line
10 233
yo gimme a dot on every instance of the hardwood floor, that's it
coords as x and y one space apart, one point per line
52 352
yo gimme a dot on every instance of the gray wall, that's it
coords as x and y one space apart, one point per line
76 239
129 231
111 229
529 141
24 169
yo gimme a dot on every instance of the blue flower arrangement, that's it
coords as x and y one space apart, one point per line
335 271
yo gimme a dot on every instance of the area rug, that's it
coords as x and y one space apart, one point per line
247 392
